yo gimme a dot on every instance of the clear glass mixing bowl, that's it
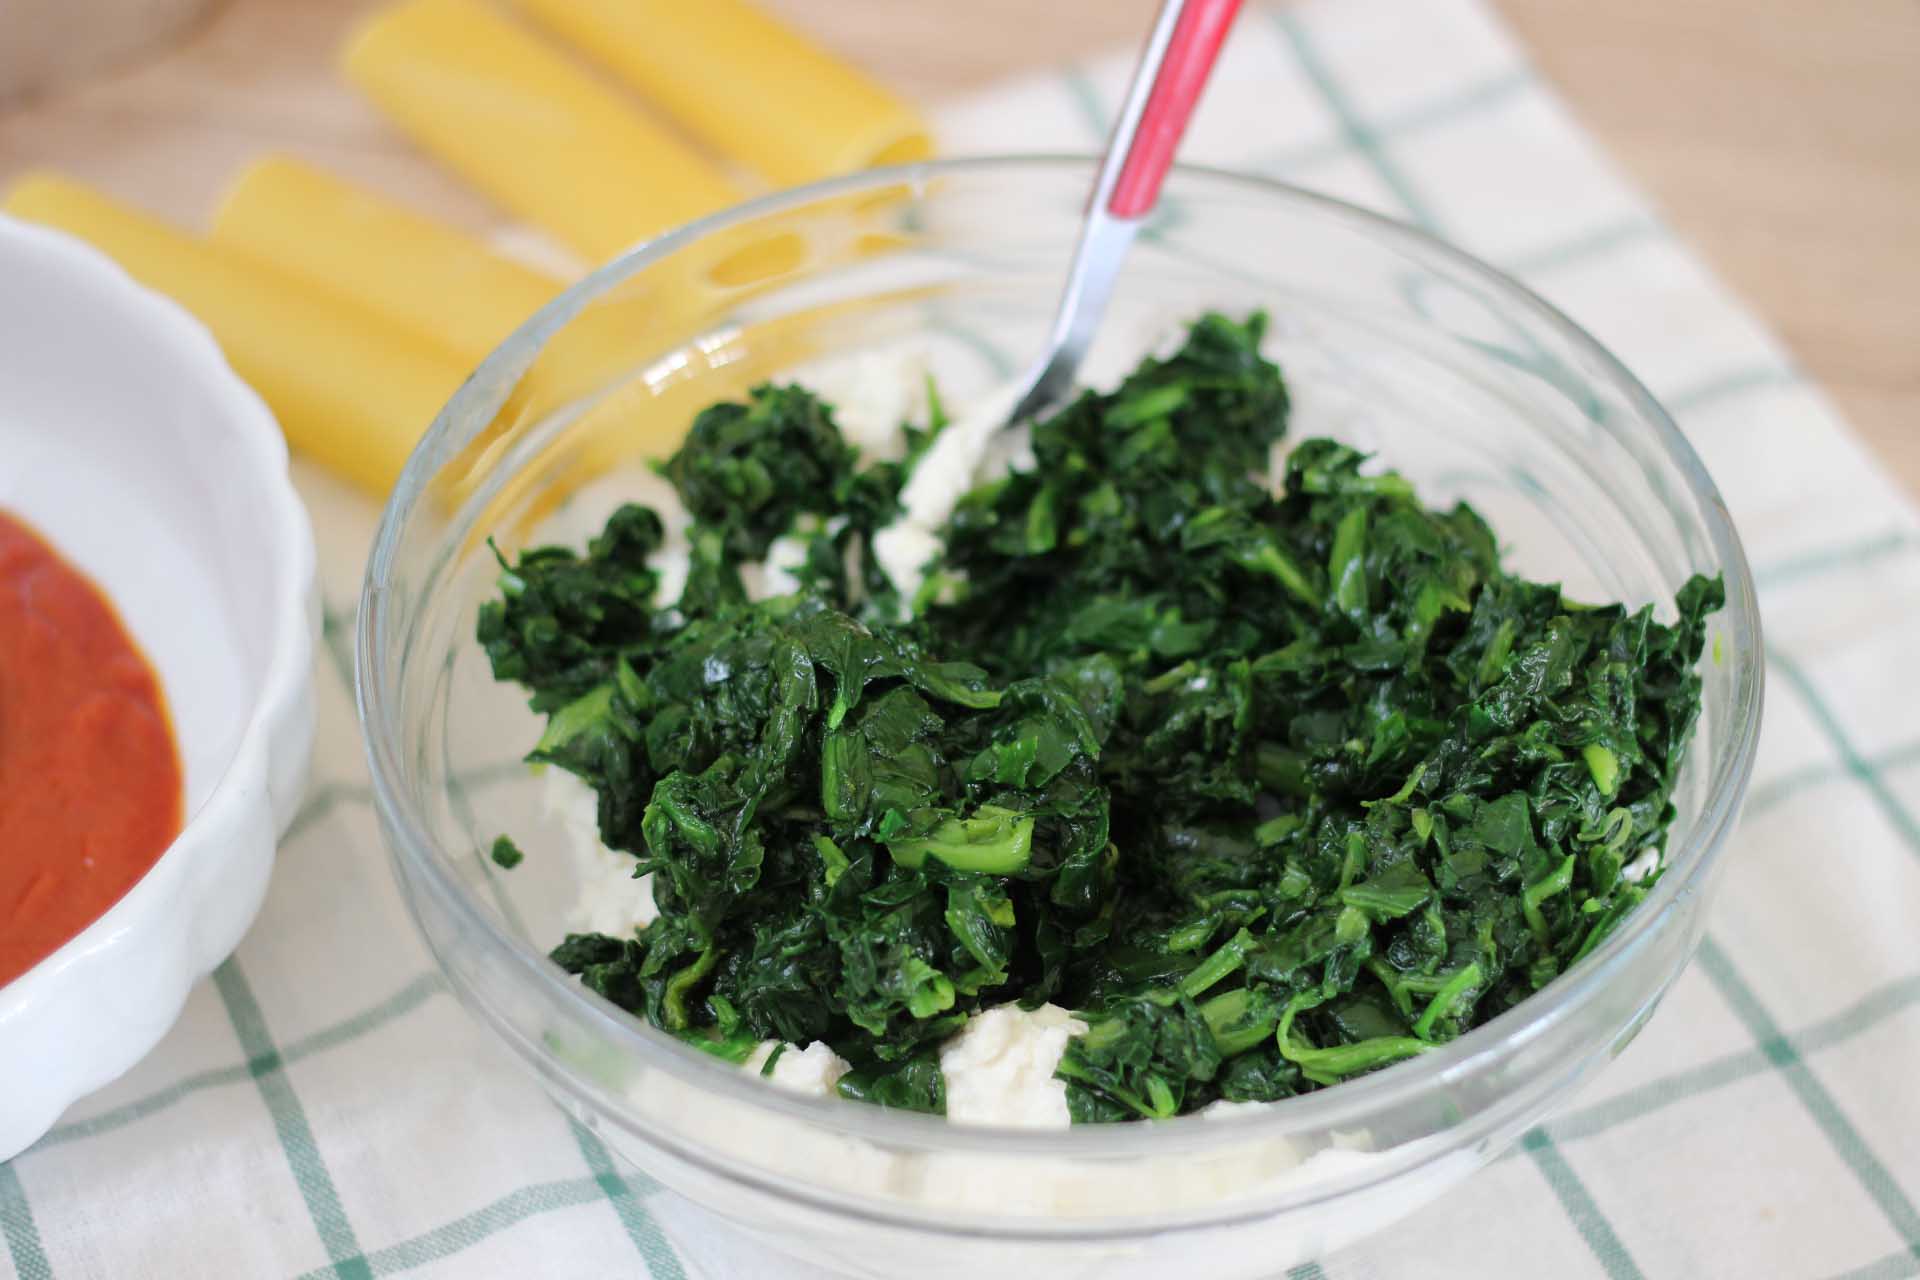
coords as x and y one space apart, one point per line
1454 374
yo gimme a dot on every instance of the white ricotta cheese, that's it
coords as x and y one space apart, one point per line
903 550
873 394
1027 1185
812 1071
610 900
999 1067
774 576
940 479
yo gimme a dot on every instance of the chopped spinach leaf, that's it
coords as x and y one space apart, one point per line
1273 784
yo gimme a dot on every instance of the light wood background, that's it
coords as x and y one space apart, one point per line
1781 137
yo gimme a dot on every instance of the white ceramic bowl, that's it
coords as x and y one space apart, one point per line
130 445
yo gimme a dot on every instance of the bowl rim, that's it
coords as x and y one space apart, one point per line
1345 1105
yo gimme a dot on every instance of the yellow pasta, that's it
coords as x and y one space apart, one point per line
350 389
744 84
425 276
453 290
537 134
416 272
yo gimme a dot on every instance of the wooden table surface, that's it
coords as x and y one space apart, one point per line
1782 137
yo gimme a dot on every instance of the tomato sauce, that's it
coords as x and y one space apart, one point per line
90 780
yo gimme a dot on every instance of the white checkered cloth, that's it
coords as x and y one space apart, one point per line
324 1108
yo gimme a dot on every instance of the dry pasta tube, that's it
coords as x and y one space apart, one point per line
744 84
537 134
350 390
416 272
457 292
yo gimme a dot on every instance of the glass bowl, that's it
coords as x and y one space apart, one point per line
1453 373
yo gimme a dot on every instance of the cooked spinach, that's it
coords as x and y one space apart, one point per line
1274 784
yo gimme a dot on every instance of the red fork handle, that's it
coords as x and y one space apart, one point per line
1195 43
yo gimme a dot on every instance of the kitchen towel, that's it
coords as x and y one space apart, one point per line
325 1108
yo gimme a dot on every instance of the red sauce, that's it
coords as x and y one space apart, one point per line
90 786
